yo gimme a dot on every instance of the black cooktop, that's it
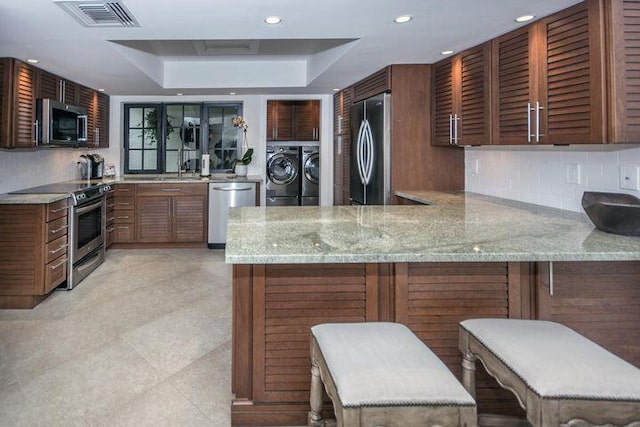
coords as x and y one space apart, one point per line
61 187
80 191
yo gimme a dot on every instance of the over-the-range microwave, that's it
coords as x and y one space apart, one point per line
60 124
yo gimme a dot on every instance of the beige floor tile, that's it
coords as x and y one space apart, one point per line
174 341
93 383
207 383
162 405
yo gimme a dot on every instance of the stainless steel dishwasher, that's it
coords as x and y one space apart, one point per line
222 196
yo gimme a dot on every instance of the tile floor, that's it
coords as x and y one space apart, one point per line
145 340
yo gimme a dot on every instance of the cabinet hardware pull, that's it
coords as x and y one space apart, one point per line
61 263
455 129
232 189
119 190
111 218
57 230
550 278
123 203
88 208
171 189
450 129
122 227
111 205
123 217
528 122
59 249
58 210
538 134
36 124
109 230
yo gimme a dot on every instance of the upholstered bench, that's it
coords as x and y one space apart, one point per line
559 377
381 374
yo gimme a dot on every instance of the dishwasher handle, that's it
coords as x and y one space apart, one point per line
233 189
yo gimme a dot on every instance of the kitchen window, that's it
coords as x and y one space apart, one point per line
160 137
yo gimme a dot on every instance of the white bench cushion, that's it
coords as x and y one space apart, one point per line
385 364
555 361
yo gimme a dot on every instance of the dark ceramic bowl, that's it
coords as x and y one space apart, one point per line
612 212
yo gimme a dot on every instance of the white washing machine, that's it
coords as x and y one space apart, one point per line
283 175
310 176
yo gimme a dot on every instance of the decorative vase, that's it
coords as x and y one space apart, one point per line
245 144
240 170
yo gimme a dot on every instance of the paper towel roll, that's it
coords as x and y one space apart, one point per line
204 170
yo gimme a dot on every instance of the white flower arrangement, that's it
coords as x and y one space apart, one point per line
240 122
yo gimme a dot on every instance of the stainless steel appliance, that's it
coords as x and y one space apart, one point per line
86 233
60 124
91 166
310 175
370 176
283 175
222 196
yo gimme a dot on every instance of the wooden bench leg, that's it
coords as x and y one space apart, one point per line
315 400
469 373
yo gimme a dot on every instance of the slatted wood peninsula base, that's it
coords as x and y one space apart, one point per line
275 305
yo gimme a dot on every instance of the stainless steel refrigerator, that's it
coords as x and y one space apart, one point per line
370 180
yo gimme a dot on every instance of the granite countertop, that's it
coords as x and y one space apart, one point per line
31 199
461 226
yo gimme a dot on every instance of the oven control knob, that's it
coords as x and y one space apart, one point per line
105 188
82 196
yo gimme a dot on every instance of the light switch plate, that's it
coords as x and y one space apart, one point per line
629 177
572 173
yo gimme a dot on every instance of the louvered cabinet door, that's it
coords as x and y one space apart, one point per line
24 100
513 86
5 101
624 81
307 120
87 99
474 111
101 133
443 103
572 76
49 85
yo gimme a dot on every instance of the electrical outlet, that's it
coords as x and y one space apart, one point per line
572 173
475 168
629 177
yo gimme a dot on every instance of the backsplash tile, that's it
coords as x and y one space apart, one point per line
539 174
24 169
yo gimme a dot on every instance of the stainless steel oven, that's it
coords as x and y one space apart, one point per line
87 238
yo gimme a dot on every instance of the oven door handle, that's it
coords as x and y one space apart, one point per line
86 209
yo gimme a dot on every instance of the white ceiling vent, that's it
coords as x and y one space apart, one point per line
99 14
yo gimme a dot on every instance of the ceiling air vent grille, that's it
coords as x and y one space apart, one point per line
100 14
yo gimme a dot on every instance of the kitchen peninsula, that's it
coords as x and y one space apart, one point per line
428 266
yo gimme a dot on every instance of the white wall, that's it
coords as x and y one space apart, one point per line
540 174
26 168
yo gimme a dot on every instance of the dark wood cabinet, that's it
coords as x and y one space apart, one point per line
461 98
293 120
548 80
124 213
17 104
623 82
171 213
33 252
21 84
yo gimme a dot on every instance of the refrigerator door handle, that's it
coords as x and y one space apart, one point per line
368 169
365 152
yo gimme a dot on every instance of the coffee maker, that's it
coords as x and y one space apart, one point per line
91 166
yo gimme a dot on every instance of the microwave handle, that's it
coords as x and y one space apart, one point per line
82 121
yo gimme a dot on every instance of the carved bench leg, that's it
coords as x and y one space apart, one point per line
315 400
469 373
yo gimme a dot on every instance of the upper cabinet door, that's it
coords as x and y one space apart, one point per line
572 76
24 111
513 86
279 121
307 120
443 105
623 27
473 123
548 80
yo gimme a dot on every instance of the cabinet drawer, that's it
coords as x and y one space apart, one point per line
56 228
123 233
123 217
124 189
110 203
171 189
57 209
55 249
125 203
55 273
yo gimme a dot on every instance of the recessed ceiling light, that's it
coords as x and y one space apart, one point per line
100 90
179 93
336 89
446 52
525 18
232 93
402 19
273 20
32 61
